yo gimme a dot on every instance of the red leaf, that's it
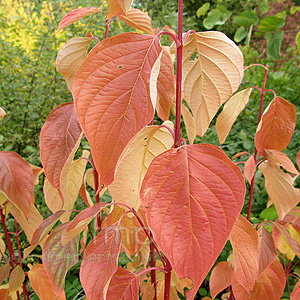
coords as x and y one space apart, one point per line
100 262
165 86
277 126
41 284
249 168
17 181
266 249
57 259
58 137
192 195
221 277
244 241
295 295
124 285
112 93
75 15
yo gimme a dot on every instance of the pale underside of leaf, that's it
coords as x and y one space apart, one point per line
135 160
71 56
138 20
116 7
280 188
2 113
230 112
250 168
212 72
190 230
189 122
112 93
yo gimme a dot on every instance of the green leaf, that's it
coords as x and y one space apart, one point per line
298 41
274 44
203 9
225 15
247 18
264 7
240 34
249 36
217 16
270 23
269 213
277 75
281 14
294 9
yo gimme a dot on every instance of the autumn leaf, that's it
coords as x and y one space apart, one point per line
52 197
189 122
16 279
279 158
280 188
212 72
230 112
71 56
165 85
276 127
135 160
16 181
100 261
198 193
123 285
295 295
75 15
221 277
121 67
298 159
266 252
57 259
4 272
116 7
244 241
250 168
137 19
41 284
59 135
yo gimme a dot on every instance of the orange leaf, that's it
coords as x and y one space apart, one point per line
240 154
249 168
244 241
123 285
52 197
16 279
37 171
137 19
16 181
230 112
4 272
75 15
2 247
116 7
269 286
71 56
266 252
135 160
58 137
221 277
81 221
4 294
116 68
198 192
41 284
165 85
276 127
280 188
100 262
212 72
295 295
279 158
57 259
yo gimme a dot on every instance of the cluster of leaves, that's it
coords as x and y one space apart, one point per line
173 206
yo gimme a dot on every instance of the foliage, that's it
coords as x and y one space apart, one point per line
171 206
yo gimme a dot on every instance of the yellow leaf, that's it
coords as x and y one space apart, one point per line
71 56
52 197
212 71
2 247
189 122
135 160
230 112
280 188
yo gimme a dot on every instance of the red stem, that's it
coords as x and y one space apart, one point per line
152 264
107 27
151 269
188 33
170 130
96 182
179 75
168 268
263 91
177 42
